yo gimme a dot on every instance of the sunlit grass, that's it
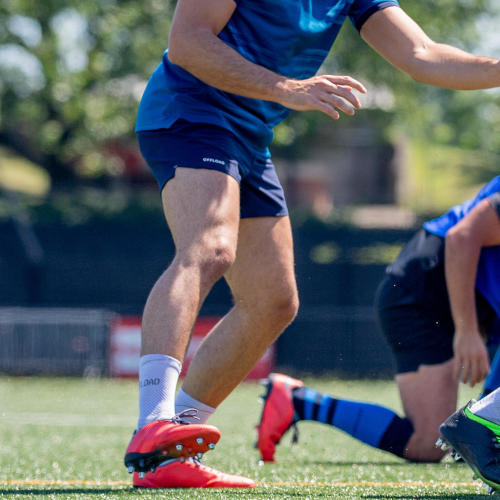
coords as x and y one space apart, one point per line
65 438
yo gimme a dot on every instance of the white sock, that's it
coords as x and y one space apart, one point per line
488 407
158 376
184 401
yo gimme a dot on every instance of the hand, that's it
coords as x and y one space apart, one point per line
471 361
322 93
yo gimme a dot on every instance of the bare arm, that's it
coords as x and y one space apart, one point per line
397 38
195 46
480 228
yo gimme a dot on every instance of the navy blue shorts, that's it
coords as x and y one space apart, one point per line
196 145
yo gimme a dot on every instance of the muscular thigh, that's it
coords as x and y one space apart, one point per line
264 265
429 396
202 208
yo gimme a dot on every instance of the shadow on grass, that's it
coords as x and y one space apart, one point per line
66 491
264 493
464 496
392 463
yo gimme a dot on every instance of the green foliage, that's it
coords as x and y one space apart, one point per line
467 119
71 75
89 62
442 175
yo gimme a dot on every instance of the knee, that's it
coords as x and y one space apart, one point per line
215 259
280 308
212 259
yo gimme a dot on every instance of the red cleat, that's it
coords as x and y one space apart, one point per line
190 473
163 439
278 413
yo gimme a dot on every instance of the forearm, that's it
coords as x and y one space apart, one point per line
200 52
461 258
397 38
214 62
446 66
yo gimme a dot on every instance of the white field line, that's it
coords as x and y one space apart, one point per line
334 484
67 420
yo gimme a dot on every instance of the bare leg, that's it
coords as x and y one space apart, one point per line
429 397
262 280
202 211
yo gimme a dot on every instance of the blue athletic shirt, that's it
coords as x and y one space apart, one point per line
289 37
488 271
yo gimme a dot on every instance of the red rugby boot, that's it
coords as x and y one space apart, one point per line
278 413
190 473
163 439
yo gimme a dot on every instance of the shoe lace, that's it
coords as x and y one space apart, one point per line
188 413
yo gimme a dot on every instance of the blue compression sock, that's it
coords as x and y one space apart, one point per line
493 379
372 424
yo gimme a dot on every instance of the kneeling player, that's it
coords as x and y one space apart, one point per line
433 304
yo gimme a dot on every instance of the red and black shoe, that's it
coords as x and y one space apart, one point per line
161 440
278 413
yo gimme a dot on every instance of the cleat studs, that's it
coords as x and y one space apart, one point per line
153 468
199 455
264 381
179 447
445 446
130 469
141 475
199 440
141 463
457 457
211 445
439 442
491 490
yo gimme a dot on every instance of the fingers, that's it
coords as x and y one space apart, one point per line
326 93
340 96
328 109
346 81
471 370
458 367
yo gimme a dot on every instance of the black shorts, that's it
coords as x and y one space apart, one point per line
200 146
413 308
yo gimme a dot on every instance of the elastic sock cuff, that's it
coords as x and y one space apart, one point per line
396 436
184 399
148 358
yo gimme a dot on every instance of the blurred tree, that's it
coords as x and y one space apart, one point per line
468 119
71 75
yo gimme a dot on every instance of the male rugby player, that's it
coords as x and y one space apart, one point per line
233 70
435 304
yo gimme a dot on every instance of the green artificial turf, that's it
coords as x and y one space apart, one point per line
65 438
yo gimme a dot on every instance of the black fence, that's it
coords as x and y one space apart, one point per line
54 341
112 266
